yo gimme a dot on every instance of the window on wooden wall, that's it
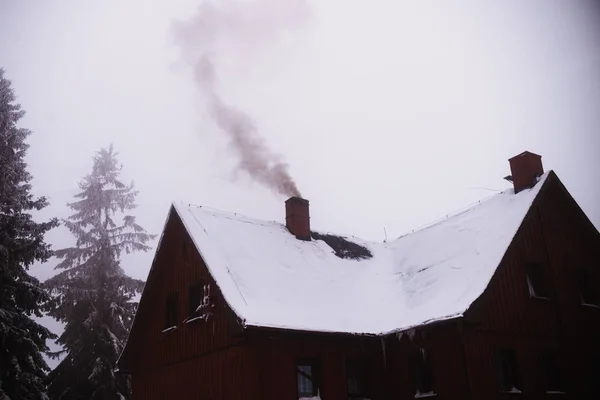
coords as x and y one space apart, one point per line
195 298
423 375
508 374
551 372
536 281
172 310
593 372
308 374
588 292
184 250
357 379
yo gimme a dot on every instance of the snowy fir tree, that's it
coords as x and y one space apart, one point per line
92 295
22 340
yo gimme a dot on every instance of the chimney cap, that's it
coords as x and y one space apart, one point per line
525 153
297 200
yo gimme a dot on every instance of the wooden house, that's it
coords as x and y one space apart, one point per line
497 301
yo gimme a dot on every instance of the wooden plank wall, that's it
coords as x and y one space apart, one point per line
277 353
221 375
443 344
191 357
390 374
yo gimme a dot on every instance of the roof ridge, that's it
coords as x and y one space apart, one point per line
464 209
451 214
233 215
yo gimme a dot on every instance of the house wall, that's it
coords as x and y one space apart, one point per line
390 374
277 353
443 344
202 359
556 234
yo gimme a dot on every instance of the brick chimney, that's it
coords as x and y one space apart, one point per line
525 168
297 218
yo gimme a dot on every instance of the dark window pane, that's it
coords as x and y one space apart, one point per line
184 250
594 374
423 375
308 377
587 289
536 280
171 310
356 379
551 371
195 297
507 370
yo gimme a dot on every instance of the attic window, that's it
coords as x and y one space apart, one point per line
356 379
309 378
423 377
587 290
551 370
195 297
184 250
507 371
593 378
171 310
536 281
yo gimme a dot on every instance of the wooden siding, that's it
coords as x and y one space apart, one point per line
483 369
390 374
181 362
279 351
444 348
556 234
225 374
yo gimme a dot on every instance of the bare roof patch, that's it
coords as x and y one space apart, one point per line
342 247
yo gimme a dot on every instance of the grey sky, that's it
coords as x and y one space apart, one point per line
389 113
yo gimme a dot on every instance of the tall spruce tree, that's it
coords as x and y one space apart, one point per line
92 295
22 340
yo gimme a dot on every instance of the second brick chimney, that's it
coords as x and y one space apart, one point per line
525 168
297 218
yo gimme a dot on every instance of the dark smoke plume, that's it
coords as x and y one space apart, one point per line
235 26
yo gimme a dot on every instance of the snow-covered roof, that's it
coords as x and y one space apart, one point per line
271 279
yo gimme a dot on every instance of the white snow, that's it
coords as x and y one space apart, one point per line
169 329
420 395
271 279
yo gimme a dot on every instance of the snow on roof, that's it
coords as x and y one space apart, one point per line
271 279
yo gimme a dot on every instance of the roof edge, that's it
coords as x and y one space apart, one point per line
575 203
178 208
158 246
547 177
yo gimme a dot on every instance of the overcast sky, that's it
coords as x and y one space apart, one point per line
390 113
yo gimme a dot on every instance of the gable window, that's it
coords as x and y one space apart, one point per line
551 372
587 289
308 374
195 298
507 370
184 250
593 367
356 379
171 310
536 281
423 376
